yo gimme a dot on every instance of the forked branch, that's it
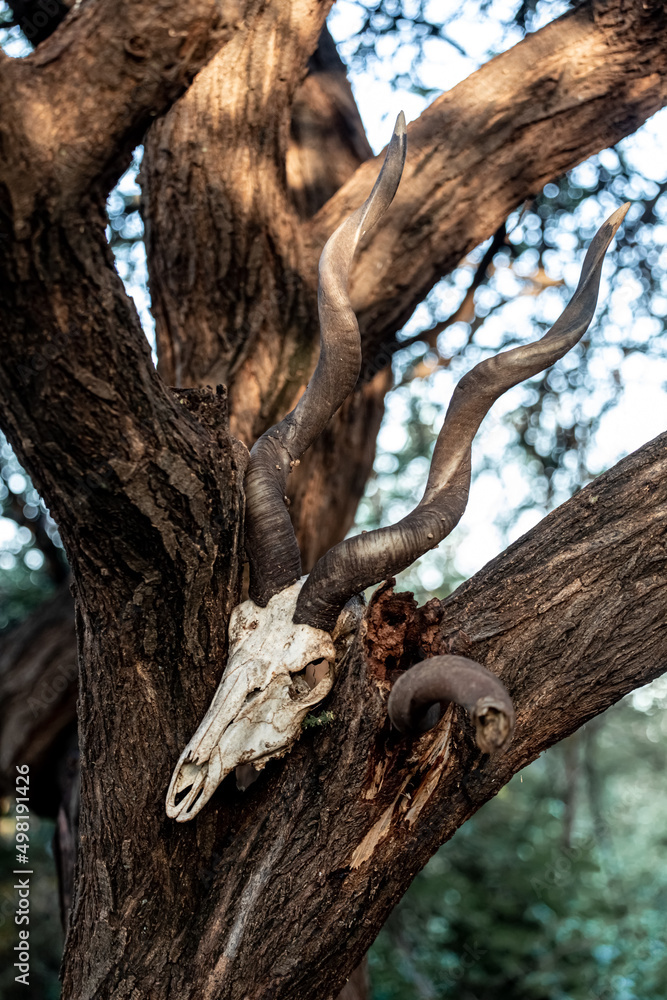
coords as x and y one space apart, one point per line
288 625
132 62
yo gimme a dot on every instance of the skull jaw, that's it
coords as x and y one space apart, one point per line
258 708
191 786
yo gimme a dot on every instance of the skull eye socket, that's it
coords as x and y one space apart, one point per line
316 671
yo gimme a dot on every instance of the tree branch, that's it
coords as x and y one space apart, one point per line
465 311
574 87
327 137
223 235
476 153
302 870
101 436
86 96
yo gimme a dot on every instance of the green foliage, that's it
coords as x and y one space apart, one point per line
556 889
317 721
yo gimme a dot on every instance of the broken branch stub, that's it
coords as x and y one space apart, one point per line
434 683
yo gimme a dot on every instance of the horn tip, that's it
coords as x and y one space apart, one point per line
616 218
400 126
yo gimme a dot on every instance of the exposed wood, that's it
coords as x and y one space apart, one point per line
278 893
301 871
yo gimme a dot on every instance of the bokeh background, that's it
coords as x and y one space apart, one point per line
556 889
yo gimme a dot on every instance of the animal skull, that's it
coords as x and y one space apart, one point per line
276 672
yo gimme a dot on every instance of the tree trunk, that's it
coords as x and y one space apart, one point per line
38 683
227 307
233 276
279 892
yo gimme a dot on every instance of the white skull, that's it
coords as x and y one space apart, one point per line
275 673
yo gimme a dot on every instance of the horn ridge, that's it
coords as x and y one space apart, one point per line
366 559
273 553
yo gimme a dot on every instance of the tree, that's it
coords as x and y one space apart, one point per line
249 165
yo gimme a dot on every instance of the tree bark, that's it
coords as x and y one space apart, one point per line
79 104
227 307
565 92
278 893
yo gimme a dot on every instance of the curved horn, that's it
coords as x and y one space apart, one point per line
275 562
359 562
435 682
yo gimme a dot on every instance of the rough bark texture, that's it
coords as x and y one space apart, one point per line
80 103
228 307
278 893
578 85
327 143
